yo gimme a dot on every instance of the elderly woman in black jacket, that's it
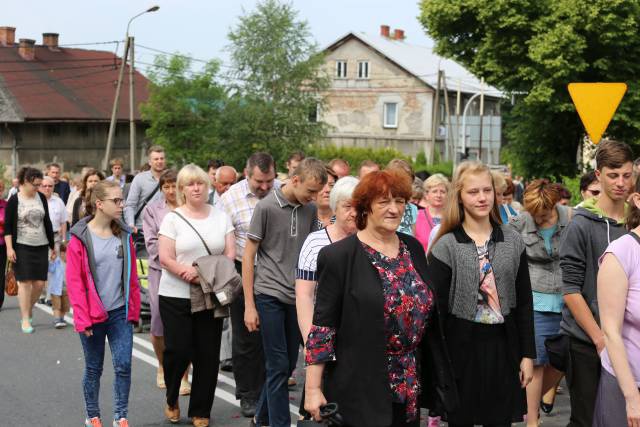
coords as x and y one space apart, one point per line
375 321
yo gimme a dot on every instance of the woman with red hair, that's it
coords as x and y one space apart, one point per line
372 309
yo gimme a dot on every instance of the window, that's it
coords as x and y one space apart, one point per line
314 114
341 69
390 114
363 69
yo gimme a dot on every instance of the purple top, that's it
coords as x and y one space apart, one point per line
408 302
154 213
627 251
3 207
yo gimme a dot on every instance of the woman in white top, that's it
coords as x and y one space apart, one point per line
190 337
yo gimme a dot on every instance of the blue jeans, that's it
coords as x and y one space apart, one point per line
120 334
281 341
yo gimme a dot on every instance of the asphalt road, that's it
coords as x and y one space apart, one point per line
41 375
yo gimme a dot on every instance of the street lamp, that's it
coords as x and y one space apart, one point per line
463 131
128 49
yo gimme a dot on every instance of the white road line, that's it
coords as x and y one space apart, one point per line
151 360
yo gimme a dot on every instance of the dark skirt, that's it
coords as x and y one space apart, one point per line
489 383
32 262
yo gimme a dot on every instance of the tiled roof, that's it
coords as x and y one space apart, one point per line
64 84
421 62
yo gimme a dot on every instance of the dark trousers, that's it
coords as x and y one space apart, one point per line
190 337
281 340
583 377
246 351
3 271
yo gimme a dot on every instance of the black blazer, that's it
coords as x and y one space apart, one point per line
350 298
11 219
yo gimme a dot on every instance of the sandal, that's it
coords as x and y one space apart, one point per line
160 380
185 388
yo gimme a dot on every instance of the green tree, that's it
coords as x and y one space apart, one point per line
277 81
533 49
184 109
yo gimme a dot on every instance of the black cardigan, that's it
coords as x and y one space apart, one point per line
518 323
350 298
11 219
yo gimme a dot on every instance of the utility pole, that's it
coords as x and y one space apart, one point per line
132 123
434 121
450 135
458 105
481 118
114 111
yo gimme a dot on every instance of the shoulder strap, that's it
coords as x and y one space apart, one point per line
635 236
194 229
153 193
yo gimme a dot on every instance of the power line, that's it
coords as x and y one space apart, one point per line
34 82
52 69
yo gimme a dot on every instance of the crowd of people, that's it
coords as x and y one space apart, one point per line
470 298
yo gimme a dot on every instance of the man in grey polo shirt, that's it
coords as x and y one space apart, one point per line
280 224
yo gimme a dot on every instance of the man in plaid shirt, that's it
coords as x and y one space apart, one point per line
239 203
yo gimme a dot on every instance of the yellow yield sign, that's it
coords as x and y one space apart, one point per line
596 104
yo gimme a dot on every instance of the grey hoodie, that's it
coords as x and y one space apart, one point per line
587 237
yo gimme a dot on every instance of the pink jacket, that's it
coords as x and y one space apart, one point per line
87 306
424 225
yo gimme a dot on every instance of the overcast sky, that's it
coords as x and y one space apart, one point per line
196 27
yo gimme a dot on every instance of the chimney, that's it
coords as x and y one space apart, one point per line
50 40
384 30
27 49
7 36
398 34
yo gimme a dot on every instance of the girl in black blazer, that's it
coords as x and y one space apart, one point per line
29 236
376 334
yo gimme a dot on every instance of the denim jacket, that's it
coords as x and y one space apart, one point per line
544 270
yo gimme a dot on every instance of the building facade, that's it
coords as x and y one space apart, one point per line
382 95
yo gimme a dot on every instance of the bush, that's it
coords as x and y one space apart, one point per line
355 155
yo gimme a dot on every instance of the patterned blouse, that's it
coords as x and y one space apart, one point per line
488 311
408 303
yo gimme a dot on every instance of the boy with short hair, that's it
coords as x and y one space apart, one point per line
58 288
594 225
279 226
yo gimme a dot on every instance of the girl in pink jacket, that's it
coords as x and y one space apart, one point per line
103 288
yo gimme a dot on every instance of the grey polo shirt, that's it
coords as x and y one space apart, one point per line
141 186
281 227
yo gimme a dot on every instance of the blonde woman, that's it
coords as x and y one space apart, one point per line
190 337
436 189
479 270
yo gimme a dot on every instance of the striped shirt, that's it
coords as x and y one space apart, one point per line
239 203
307 261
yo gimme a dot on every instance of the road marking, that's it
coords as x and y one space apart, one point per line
151 360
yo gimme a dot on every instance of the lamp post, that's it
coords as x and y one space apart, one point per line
132 123
128 50
463 131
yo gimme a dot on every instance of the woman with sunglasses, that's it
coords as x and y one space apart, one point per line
102 283
479 270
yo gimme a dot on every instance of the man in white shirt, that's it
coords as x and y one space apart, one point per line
58 215
225 177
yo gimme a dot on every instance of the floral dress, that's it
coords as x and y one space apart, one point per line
408 303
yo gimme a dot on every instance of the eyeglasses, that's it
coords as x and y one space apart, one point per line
117 201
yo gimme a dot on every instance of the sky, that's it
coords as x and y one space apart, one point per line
198 28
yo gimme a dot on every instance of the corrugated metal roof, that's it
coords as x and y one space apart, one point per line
422 63
66 84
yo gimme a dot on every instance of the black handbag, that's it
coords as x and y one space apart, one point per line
330 417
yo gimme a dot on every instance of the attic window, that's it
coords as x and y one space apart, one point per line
341 69
363 69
